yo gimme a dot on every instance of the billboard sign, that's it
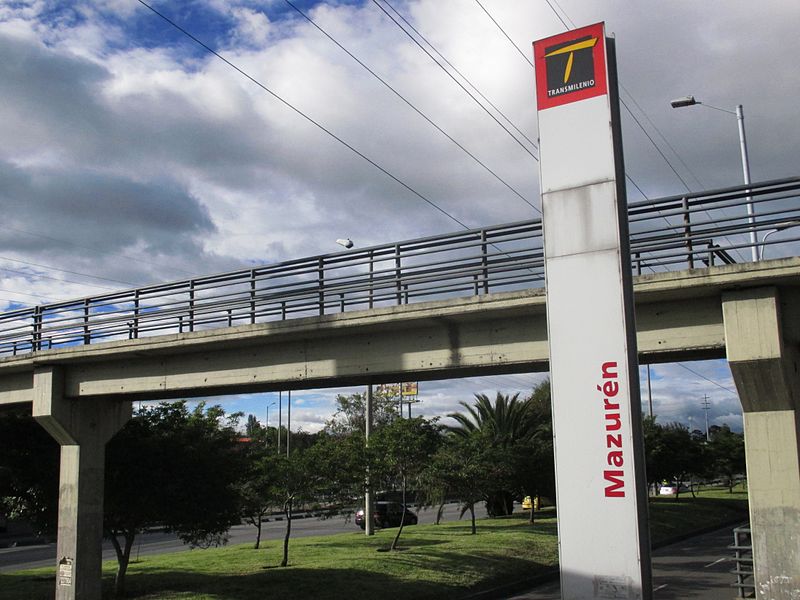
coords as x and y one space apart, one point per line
601 492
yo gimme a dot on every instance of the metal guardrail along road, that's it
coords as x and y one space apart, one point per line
678 232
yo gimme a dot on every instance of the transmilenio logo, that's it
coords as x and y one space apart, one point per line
570 66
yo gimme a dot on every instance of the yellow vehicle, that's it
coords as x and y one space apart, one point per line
529 503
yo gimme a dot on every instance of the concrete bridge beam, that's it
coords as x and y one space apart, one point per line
82 428
764 361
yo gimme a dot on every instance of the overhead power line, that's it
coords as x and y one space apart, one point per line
450 75
719 385
138 259
410 104
461 74
299 112
503 31
41 266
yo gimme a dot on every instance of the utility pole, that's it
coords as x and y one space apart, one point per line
288 421
706 407
369 526
280 421
649 392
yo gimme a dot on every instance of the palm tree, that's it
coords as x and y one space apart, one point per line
504 422
501 426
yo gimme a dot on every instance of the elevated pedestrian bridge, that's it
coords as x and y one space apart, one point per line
679 317
444 306
448 306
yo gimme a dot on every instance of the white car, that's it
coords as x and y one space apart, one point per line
671 489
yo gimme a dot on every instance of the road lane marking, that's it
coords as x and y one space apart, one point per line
719 560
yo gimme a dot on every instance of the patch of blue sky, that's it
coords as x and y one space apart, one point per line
144 29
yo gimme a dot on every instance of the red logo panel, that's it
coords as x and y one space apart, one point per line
570 66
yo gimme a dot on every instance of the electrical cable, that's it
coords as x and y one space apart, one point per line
522 54
719 385
40 276
41 266
303 115
72 243
629 111
411 105
458 83
461 74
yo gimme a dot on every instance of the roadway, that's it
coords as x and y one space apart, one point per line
158 542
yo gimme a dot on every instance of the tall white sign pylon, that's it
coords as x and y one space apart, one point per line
601 493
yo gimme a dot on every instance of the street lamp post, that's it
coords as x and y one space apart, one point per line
267 436
779 227
751 217
369 525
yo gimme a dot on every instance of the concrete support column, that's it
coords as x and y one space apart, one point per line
82 427
765 368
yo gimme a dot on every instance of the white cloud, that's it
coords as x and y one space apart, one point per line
107 100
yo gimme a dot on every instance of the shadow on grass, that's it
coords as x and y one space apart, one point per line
299 583
288 584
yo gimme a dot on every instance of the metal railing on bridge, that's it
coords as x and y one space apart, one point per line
669 233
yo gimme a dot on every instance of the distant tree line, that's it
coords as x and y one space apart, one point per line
193 472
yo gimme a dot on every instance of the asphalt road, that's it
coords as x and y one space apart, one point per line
695 568
29 557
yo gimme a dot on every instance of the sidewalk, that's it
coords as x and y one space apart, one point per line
697 567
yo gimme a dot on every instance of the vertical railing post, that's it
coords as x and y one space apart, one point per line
638 258
86 337
398 273
36 341
687 232
341 302
485 261
230 317
136 315
191 305
252 296
321 283
371 276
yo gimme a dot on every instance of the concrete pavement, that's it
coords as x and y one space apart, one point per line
698 567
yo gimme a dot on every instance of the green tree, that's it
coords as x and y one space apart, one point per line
672 454
459 469
400 452
727 455
535 467
331 469
351 412
252 426
172 466
502 425
29 466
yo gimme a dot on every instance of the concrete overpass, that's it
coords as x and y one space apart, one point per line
749 313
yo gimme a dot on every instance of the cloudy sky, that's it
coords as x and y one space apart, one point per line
131 155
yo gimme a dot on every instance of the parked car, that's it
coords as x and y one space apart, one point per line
387 514
670 489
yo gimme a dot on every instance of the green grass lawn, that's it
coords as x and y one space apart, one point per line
442 561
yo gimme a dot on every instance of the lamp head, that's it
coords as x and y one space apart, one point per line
684 101
346 242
